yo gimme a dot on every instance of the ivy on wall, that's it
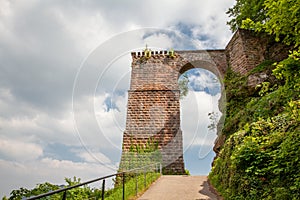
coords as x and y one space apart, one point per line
140 155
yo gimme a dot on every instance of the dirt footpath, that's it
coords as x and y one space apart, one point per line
180 187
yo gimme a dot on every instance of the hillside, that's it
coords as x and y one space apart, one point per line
260 157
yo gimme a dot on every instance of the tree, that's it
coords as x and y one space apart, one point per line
84 192
39 189
183 85
243 9
214 118
282 21
276 17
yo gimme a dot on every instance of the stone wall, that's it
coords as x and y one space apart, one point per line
247 49
244 51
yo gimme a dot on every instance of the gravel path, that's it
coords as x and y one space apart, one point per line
180 187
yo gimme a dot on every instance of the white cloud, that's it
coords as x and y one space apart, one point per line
98 128
95 157
88 31
42 46
195 108
203 80
19 150
40 128
159 40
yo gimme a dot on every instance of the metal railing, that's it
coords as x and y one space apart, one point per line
158 168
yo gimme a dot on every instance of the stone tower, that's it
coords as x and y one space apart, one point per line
153 132
153 111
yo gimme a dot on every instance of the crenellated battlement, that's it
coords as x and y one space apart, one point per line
147 53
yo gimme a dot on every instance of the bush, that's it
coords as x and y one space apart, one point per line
260 158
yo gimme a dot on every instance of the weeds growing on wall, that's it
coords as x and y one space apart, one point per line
140 155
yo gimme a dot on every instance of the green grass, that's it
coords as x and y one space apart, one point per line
134 186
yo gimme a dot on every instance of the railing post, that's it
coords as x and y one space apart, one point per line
103 189
64 195
145 176
160 168
136 184
123 186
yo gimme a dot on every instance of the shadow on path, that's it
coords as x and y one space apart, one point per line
181 187
209 190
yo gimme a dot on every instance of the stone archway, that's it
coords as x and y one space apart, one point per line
153 111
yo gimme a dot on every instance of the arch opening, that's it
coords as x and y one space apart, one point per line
200 115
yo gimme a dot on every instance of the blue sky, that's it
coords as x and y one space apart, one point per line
202 99
64 76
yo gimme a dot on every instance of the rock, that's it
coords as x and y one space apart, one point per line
255 79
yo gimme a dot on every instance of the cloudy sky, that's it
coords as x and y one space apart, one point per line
64 76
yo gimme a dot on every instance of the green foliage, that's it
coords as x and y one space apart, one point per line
264 66
245 106
284 20
260 158
76 193
237 95
281 18
150 146
141 180
288 70
187 172
137 181
183 85
39 189
275 17
171 53
264 88
243 9
213 117
83 192
261 161
140 155
235 85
